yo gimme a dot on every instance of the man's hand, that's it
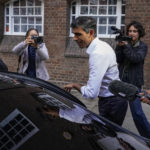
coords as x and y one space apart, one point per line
144 99
69 87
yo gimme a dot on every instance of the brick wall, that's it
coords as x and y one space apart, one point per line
61 69
67 68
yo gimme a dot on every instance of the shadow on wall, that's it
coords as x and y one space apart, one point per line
8 42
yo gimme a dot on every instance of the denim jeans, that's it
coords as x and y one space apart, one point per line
139 117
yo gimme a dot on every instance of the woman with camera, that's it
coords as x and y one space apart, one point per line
32 54
130 58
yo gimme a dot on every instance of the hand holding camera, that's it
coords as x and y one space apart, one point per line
34 40
121 38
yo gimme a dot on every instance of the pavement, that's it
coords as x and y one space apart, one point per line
92 104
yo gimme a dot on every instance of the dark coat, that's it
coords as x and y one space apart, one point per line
131 60
3 66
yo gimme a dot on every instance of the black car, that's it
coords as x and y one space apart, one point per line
37 115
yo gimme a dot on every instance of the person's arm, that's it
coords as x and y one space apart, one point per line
42 51
19 48
71 86
119 52
137 55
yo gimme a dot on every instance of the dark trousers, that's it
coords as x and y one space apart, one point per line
139 117
113 108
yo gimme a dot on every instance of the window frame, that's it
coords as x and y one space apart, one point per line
11 18
118 15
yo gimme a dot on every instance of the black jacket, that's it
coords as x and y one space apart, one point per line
3 66
130 62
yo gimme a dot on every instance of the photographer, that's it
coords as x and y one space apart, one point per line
32 53
130 57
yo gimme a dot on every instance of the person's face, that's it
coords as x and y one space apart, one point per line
133 32
82 38
32 33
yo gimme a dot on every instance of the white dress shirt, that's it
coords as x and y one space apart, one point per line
102 70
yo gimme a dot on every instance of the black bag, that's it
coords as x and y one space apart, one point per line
3 66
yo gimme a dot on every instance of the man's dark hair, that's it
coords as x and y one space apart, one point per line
138 26
86 23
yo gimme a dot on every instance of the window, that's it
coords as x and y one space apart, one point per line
20 15
107 13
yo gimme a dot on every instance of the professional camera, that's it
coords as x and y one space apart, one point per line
37 39
121 36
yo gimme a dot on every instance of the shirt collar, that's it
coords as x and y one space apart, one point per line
136 44
91 46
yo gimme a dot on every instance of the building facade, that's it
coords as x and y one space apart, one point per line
67 63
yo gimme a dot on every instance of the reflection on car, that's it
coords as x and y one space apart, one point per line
38 115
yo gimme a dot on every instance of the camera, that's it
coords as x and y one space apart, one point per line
37 39
121 36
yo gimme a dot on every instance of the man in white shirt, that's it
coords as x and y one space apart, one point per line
102 70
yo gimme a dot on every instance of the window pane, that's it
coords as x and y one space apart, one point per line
93 10
30 26
16 3
39 28
38 20
123 1
112 20
103 2
84 2
112 2
38 3
84 10
22 11
23 2
122 28
16 20
73 10
29 2
16 28
23 20
102 20
23 28
16 11
31 20
106 11
123 20
73 18
7 11
123 9
74 3
102 30
102 10
112 10
25 14
30 11
38 11
110 31
93 2
7 19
